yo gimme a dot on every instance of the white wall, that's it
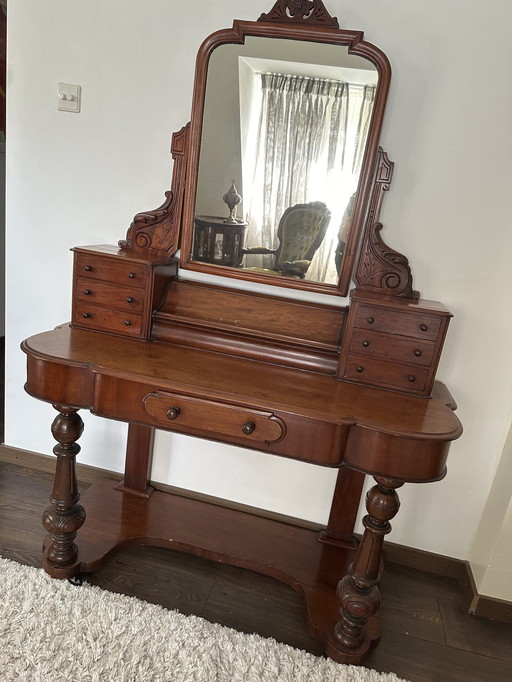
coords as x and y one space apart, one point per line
491 553
80 178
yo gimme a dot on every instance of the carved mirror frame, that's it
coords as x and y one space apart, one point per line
304 21
161 232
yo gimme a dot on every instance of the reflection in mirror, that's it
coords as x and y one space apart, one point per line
287 133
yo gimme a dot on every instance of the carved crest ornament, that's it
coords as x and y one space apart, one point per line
301 11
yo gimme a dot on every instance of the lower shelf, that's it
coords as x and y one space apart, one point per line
291 554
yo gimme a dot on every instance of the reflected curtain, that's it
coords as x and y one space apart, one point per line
309 135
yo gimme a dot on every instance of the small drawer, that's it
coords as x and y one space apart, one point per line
392 347
106 319
410 378
173 410
396 322
90 291
110 270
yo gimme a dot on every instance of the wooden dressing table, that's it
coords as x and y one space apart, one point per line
351 387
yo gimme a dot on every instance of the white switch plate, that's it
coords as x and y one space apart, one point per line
70 97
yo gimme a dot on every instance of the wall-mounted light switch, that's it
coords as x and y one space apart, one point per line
69 97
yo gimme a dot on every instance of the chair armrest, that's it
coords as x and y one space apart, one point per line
258 249
296 268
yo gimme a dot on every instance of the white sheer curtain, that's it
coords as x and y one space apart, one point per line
310 142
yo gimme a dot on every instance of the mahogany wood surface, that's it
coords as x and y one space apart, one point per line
251 325
280 410
139 456
318 325
107 374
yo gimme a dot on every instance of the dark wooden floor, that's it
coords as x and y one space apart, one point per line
428 635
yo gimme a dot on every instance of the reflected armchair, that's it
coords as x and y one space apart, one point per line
301 230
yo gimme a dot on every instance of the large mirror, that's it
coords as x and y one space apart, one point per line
284 132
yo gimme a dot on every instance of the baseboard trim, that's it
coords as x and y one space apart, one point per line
489 607
428 562
408 557
45 463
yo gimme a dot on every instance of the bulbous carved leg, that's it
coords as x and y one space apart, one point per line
358 592
63 518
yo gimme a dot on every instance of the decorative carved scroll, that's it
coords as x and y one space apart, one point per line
301 12
156 232
382 270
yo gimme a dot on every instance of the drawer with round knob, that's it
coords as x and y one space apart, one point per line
102 293
217 419
110 270
387 374
106 319
420 325
392 347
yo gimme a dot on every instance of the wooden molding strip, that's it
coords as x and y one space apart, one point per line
409 557
489 607
45 463
428 562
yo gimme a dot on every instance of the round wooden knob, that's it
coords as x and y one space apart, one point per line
423 327
88 268
87 292
248 428
411 378
127 323
418 353
129 299
131 275
86 315
370 320
359 369
173 413
366 344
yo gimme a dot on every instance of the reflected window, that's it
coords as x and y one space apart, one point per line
303 140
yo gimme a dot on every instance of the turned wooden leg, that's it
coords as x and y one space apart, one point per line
63 518
358 592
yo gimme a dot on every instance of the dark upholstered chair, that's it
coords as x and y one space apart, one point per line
301 230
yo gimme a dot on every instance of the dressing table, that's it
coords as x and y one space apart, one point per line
348 385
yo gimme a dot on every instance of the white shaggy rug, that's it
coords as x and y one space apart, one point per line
52 631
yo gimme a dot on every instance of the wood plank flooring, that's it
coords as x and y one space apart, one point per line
428 634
